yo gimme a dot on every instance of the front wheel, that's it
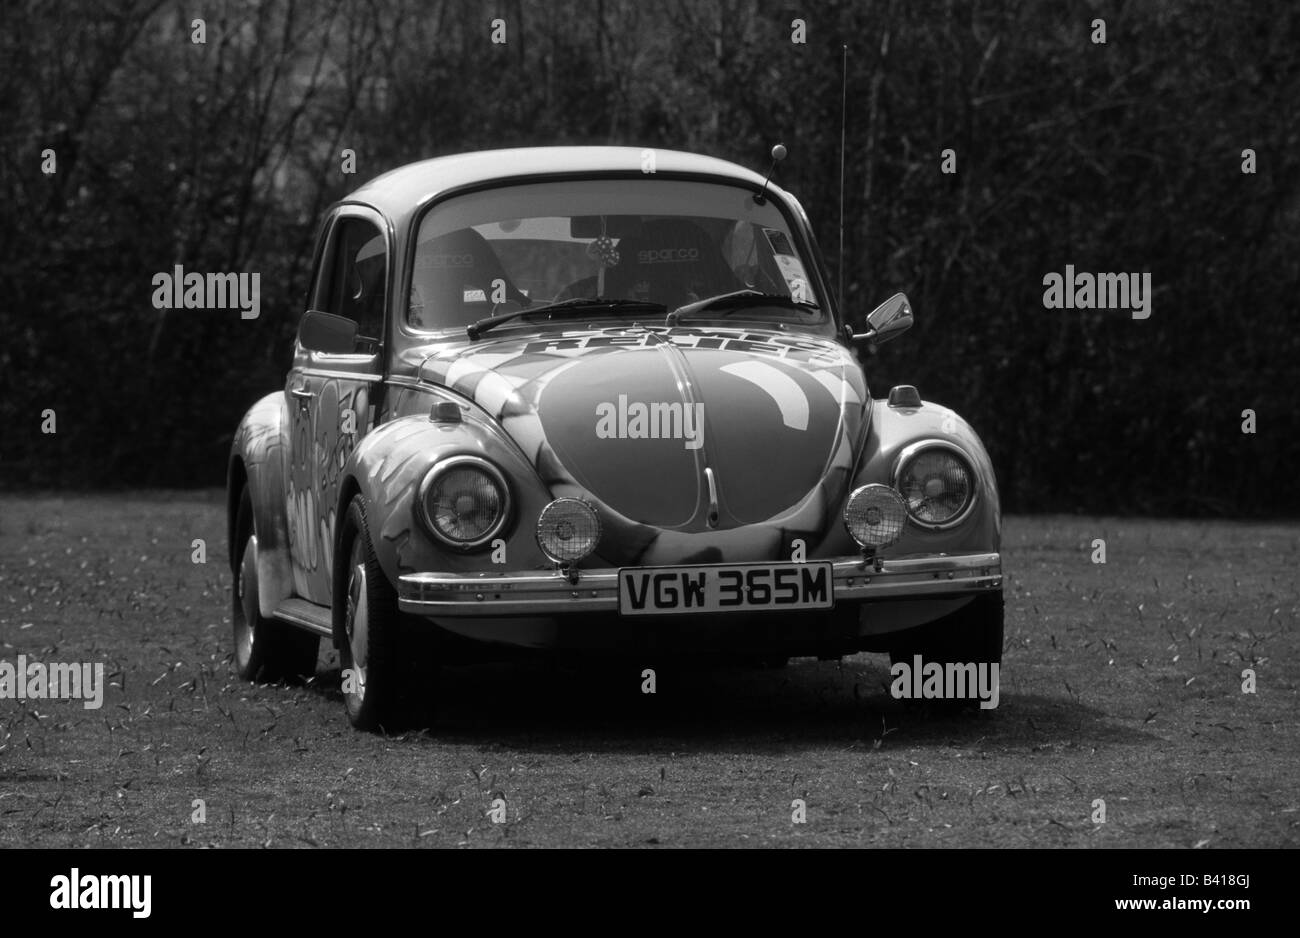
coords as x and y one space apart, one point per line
971 635
378 687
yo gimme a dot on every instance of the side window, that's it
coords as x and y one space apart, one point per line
354 277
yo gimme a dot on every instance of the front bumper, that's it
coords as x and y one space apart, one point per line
551 594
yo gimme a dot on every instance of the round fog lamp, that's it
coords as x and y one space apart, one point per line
568 529
875 516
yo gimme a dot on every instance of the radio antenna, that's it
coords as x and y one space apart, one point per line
778 154
844 98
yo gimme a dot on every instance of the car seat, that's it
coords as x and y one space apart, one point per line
450 268
671 261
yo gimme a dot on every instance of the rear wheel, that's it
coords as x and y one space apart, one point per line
265 649
378 677
971 635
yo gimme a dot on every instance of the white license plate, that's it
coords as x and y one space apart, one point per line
647 591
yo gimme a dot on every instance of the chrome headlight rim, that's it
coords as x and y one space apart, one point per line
444 466
885 490
595 515
905 458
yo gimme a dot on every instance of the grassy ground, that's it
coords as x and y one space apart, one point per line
1121 682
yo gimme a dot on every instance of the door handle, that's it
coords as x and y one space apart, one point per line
302 395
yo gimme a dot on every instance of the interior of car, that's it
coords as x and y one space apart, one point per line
472 273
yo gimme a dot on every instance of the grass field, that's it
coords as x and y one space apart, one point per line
1120 682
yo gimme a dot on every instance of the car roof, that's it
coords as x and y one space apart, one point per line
401 190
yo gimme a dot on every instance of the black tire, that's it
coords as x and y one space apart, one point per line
378 663
971 635
265 650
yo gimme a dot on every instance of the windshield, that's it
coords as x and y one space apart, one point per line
657 241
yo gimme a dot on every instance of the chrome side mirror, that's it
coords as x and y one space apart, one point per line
888 320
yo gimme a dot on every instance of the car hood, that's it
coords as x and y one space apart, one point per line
638 419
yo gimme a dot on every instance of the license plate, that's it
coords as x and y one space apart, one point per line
645 591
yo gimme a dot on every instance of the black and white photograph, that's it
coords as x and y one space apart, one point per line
598 425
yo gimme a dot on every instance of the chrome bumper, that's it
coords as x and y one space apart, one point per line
551 594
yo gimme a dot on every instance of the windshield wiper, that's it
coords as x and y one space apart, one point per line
724 304
577 307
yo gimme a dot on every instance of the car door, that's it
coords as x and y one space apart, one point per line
332 393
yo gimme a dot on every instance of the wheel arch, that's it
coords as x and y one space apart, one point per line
386 469
236 481
893 429
258 462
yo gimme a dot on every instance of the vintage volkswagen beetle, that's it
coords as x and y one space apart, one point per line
585 398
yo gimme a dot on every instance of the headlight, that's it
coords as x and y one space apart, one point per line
464 501
937 484
568 529
874 516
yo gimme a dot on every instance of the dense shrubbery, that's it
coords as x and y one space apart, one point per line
1118 157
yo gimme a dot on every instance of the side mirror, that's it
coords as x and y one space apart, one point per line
325 332
888 320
